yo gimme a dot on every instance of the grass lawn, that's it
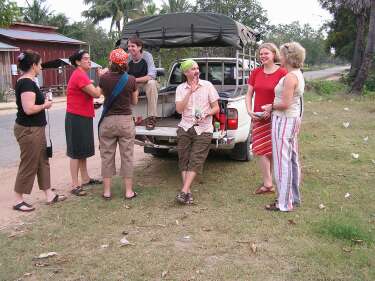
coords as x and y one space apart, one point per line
227 235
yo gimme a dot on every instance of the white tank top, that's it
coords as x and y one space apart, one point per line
295 109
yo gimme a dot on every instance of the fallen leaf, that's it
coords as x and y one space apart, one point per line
253 248
127 206
125 242
321 206
187 237
357 241
355 155
177 222
164 273
365 139
373 161
347 249
27 274
346 109
315 113
46 255
346 124
125 232
206 229
292 222
41 264
347 195
104 246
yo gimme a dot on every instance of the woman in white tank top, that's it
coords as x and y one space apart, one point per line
286 120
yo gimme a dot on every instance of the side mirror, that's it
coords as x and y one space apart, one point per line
160 71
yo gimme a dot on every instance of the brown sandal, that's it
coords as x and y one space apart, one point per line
264 189
150 123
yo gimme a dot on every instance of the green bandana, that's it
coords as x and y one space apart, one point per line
186 65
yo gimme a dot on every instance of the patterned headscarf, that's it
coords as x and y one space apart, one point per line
118 56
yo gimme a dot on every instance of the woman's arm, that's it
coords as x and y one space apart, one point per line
93 91
290 84
29 106
134 98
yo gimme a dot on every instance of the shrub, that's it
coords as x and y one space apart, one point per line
326 87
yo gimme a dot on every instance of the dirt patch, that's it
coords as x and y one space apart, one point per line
60 178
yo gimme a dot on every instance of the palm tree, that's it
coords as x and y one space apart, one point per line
120 11
151 10
363 71
36 12
175 6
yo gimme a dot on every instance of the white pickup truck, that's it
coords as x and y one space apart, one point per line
228 75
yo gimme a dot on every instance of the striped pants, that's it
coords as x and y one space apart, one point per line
286 165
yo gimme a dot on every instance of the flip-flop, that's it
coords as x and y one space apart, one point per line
18 207
92 182
264 190
57 198
131 197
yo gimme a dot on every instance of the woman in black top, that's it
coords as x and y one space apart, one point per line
29 131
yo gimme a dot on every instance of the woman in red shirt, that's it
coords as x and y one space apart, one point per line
79 120
262 81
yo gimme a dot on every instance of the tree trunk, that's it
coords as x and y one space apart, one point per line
359 45
361 77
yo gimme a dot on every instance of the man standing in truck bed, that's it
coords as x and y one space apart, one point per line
141 65
197 101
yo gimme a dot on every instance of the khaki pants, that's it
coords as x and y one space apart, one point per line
117 129
34 160
192 149
151 90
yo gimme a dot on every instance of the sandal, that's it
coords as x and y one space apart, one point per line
185 198
78 191
272 207
57 198
19 206
150 123
107 198
264 189
131 197
92 182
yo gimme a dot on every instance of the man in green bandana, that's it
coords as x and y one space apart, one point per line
197 101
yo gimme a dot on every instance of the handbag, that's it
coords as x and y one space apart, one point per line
49 149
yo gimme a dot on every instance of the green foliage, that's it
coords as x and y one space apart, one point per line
101 42
326 87
175 6
312 40
248 12
9 12
37 12
346 228
120 11
370 82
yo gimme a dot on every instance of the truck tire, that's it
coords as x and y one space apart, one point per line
242 151
156 152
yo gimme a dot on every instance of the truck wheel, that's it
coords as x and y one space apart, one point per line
242 151
157 152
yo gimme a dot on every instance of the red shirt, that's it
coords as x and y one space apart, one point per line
264 85
78 102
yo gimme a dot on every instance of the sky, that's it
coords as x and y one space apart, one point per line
279 12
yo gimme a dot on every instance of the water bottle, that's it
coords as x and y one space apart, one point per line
49 95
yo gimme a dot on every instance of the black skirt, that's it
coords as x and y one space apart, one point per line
79 134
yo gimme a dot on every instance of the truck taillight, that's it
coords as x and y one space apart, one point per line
232 119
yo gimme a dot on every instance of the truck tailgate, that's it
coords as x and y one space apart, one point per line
167 132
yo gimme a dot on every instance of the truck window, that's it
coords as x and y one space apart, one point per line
229 73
